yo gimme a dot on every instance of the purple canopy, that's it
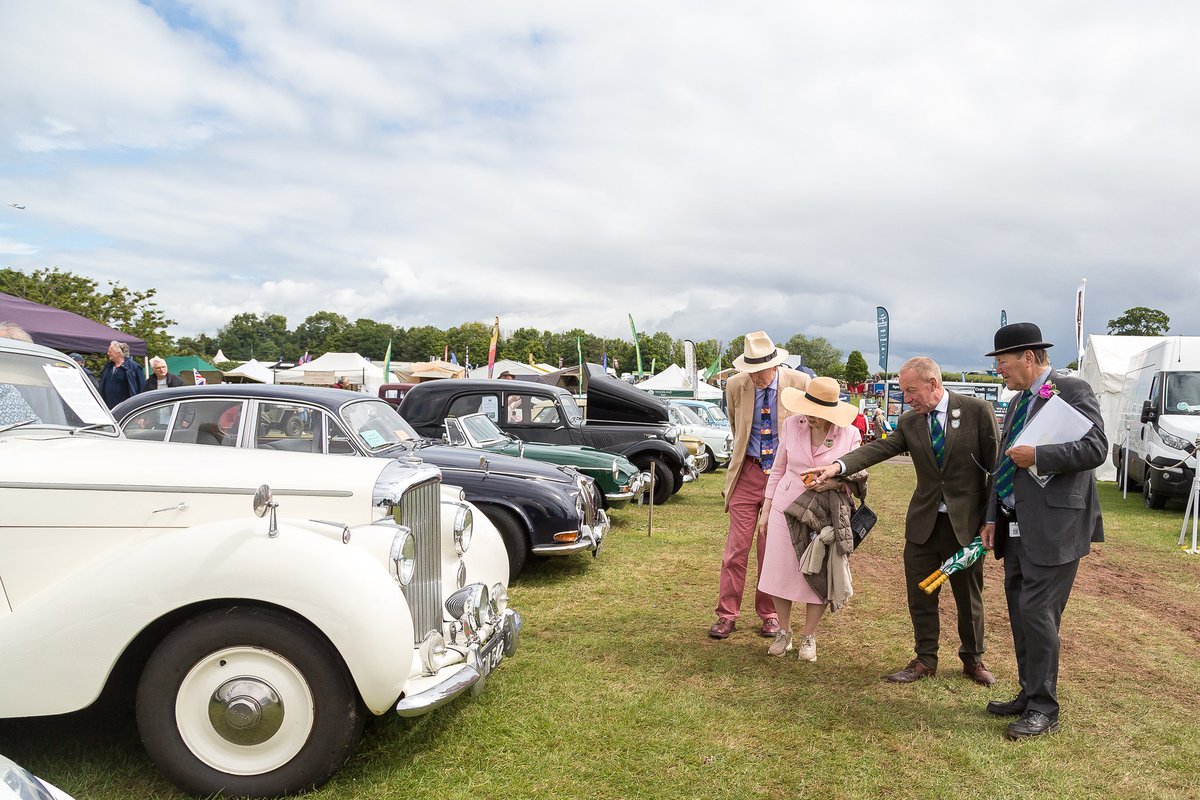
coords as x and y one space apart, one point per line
64 330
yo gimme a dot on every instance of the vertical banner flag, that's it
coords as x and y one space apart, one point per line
198 379
636 347
1079 317
582 367
387 364
492 347
446 353
883 322
467 358
689 365
715 367
1003 322
454 359
604 361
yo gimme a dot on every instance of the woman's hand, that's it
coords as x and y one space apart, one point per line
763 516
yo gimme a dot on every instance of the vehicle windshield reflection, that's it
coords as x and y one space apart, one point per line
1183 393
376 425
689 417
571 410
47 392
482 431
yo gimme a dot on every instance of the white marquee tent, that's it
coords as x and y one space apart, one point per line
673 379
253 371
350 366
505 365
1104 364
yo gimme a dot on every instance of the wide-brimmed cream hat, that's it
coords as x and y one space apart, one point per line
759 353
819 399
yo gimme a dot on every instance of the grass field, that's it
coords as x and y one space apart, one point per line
617 692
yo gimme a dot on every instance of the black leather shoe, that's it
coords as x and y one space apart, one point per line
1012 708
1031 723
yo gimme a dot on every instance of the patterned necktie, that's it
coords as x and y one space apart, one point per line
1004 475
766 433
938 437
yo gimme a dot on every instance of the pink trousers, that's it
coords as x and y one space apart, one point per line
745 501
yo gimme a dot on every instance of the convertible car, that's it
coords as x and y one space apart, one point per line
538 508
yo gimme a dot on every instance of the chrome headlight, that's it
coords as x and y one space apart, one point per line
616 470
499 599
579 502
1170 440
21 781
432 652
469 605
464 528
404 555
672 434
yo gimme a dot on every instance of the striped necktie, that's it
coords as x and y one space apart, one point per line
938 437
1004 474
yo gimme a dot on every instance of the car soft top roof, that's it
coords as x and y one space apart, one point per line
612 400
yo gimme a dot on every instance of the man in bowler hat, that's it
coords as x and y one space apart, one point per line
1040 526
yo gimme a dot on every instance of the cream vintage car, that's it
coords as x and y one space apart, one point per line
256 645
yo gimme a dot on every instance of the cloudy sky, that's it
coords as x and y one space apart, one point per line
709 167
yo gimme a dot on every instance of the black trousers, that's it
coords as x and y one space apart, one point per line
920 560
1036 598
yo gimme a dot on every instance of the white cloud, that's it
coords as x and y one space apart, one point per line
708 168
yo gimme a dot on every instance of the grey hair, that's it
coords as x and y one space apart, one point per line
926 368
154 362
11 330
124 348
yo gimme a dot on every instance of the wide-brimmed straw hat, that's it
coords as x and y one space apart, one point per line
1018 337
759 353
819 399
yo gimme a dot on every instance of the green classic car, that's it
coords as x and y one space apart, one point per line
615 475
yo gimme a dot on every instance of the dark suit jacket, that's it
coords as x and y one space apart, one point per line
963 480
1058 523
173 380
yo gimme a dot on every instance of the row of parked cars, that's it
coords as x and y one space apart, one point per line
257 599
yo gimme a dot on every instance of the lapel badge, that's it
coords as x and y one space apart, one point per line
954 423
956 413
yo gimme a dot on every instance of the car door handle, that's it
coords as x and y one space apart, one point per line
182 506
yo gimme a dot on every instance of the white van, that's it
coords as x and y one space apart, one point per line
1161 403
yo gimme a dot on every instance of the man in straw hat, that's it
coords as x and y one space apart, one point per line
1044 524
755 416
953 441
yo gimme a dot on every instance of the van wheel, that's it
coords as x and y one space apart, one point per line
664 482
1130 484
1151 498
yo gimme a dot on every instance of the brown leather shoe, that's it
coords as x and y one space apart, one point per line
913 672
722 628
770 627
979 673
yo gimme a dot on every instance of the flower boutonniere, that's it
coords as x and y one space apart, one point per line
1047 390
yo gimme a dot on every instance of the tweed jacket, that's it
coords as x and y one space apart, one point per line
1057 523
963 480
739 398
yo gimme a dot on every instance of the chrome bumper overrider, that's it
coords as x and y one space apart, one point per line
471 675
690 469
590 538
637 485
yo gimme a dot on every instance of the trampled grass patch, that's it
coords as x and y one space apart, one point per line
617 691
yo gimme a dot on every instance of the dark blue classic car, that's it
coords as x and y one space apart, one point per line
538 508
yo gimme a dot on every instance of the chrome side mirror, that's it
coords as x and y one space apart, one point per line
264 502
484 465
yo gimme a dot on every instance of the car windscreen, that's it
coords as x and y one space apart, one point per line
571 409
1183 393
41 391
689 416
482 430
376 424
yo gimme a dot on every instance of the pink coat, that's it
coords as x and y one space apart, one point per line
780 570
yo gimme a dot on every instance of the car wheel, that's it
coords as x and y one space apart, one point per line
512 531
664 481
1151 498
247 702
294 427
1130 484
712 460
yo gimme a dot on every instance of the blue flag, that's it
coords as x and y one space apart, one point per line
883 322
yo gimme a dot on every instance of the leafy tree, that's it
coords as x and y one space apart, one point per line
1140 321
473 337
319 332
201 345
856 370
819 355
521 344
126 310
261 336
370 339
421 343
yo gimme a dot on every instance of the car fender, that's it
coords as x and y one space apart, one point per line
656 448
71 635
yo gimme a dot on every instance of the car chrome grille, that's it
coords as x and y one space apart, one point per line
421 511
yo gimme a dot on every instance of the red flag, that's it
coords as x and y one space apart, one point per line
492 347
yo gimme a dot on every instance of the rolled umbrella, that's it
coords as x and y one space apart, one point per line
964 557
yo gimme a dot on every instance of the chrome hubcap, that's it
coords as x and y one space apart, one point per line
246 711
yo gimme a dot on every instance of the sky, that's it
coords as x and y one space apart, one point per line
711 168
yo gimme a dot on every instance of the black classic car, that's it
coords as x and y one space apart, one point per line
537 508
620 419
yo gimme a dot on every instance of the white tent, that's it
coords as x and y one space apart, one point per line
252 371
674 380
505 365
220 356
350 366
1105 362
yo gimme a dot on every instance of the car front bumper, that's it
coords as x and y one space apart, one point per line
430 692
637 484
692 466
590 538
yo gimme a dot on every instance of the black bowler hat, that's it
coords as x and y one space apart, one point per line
1017 337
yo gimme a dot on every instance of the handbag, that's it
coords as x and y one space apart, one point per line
861 522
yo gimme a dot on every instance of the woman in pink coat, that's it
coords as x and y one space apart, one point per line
818 433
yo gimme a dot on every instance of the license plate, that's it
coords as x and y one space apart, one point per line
491 655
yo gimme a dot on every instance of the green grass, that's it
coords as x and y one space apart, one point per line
617 692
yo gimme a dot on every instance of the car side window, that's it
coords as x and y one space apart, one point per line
531 409
286 426
149 424
339 440
474 404
212 422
